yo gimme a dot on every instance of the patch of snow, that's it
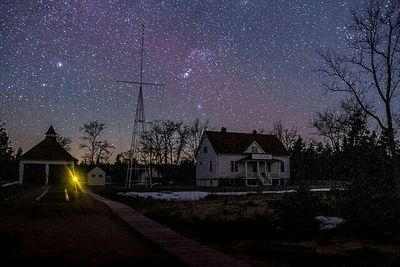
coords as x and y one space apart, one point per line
232 193
328 222
278 192
320 189
197 195
177 196
9 184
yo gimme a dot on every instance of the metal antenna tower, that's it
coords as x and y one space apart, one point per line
139 125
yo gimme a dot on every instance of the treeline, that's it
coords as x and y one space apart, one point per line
170 147
349 149
9 159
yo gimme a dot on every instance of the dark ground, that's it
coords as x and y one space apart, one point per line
244 227
82 233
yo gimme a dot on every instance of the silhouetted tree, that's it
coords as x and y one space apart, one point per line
287 136
64 142
369 69
6 154
196 130
97 151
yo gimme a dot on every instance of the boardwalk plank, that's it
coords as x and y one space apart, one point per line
186 250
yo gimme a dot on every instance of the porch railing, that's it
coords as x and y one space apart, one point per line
267 177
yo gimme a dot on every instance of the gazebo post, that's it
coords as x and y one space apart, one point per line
21 172
47 174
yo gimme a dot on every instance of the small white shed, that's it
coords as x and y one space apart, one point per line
96 176
146 175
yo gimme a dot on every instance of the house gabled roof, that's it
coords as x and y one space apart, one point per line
48 150
236 143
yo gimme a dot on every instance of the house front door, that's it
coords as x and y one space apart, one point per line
255 169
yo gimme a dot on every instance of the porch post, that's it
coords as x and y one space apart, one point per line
21 173
265 168
245 168
279 172
258 167
47 174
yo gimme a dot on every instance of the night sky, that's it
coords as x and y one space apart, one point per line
241 64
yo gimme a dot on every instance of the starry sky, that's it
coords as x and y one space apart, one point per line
242 64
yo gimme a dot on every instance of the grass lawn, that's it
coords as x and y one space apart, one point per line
247 227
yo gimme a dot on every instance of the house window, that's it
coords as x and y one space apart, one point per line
234 166
210 166
254 149
282 166
255 169
100 175
205 149
93 175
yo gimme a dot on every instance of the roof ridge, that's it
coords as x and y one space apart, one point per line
237 143
239 133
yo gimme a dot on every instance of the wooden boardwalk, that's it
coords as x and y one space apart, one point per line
186 250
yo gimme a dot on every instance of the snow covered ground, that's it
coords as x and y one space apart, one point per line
197 195
9 184
328 222
177 196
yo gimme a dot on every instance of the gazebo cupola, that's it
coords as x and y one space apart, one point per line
51 133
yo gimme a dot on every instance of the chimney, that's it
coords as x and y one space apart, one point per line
223 130
254 132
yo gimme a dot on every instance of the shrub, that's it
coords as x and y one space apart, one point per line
297 210
371 210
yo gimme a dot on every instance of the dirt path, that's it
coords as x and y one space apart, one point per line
75 233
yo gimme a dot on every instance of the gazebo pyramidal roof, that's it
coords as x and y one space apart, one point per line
48 149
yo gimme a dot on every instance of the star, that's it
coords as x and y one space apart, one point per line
186 73
217 59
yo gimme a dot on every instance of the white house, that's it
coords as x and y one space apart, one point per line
228 158
96 176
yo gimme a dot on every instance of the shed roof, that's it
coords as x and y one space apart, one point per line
236 143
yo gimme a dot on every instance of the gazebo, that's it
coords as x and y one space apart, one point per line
47 162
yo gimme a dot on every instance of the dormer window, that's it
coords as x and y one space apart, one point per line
254 149
205 149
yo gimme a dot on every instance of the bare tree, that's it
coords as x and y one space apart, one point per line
369 71
330 124
336 125
196 131
287 136
167 142
64 142
96 149
183 132
104 152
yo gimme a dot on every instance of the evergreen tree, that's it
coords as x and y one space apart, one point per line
6 154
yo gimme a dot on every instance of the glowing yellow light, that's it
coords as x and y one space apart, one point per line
75 179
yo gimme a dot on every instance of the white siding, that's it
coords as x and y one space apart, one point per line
203 161
286 173
224 165
96 176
